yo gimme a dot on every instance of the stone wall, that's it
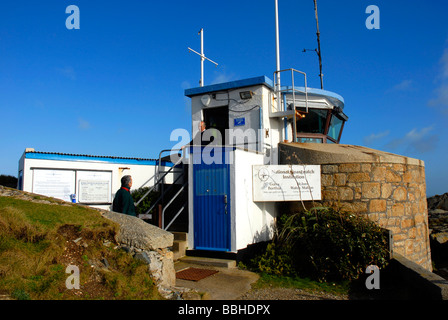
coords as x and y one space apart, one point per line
149 244
388 188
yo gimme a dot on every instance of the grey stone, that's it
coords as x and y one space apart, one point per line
440 237
134 232
143 257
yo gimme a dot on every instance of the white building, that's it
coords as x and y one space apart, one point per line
92 179
252 116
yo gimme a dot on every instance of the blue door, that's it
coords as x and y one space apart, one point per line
211 204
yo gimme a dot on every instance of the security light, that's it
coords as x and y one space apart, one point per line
245 95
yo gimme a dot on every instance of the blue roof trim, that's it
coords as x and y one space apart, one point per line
230 85
105 159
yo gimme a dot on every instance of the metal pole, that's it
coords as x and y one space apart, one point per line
318 47
277 45
202 57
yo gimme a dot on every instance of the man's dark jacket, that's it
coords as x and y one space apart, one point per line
123 202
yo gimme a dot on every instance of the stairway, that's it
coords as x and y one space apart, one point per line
179 245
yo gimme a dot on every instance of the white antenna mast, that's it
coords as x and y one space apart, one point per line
277 45
203 57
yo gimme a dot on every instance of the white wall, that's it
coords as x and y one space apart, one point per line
252 222
268 131
142 175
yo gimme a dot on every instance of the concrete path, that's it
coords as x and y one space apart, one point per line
228 284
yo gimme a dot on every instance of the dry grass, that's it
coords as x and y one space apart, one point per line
37 244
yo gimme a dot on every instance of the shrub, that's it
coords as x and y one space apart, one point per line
276 260
325 244
147 202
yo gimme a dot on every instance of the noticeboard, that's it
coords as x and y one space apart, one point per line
286 183
94 191
94 187
54 183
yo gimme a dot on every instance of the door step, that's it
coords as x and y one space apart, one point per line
179 245
205 261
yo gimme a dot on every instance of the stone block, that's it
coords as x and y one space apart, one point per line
386 190
377 205
397 210
355 207
349 167
407 223
379 174
340 179
329 168
400 194
329 195
371 190
392 176
345 193
366 167
359 177
326 180
134 232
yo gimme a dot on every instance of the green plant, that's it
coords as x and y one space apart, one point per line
147 202
328 244
276 260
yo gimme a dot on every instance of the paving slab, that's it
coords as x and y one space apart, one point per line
229 283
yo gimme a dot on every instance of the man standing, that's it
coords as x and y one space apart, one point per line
123 201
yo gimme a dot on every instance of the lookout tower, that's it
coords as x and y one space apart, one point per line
256 114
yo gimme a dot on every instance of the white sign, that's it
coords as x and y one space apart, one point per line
54 183
92 186
286 182
94 191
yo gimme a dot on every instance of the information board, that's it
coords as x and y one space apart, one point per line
286 183
94 186
92 191
58 184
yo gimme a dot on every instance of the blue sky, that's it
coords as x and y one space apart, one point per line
116 85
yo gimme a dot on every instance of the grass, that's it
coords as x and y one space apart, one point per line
276 281
36 246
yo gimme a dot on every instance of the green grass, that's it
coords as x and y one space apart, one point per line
36 246
275 281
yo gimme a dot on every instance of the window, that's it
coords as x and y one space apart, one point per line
310 140
313 122
335 127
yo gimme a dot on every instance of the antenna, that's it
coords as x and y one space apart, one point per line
318 51
277 45
203 57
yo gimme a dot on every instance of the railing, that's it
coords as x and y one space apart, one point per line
159 181
280 94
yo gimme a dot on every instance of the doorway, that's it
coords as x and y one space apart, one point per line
217 118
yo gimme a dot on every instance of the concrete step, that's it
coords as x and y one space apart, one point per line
222 263
179 245
179 235
179 249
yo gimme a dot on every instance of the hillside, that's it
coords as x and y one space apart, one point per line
40 237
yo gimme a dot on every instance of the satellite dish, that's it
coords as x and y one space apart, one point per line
206 99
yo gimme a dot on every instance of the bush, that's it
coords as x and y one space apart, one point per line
147 202
326 245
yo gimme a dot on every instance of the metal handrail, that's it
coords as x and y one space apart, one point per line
160 159
161 196
168 204
158 181
278 91
175 217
